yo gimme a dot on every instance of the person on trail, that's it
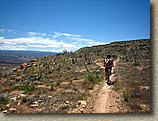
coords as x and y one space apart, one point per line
108 64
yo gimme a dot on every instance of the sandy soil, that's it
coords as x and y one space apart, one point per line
102 102
103 99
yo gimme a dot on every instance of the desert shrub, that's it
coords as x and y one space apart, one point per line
17 86
97 76
79 103
114 56
135 64
29 88
58 83
98 72
6 108
37 83
90 77
73 61
12 78
64 107
125 96
51 85
4 100
24 99
15 70
73 106
70 81
75 77
68 68
49 71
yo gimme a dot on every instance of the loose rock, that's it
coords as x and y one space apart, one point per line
67 102
12 109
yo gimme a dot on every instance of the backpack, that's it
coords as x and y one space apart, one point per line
108 62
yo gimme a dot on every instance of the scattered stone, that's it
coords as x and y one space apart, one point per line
19 102
23 95
67 102
5 111
13 98
81 110
23 65
110 105
91 107
50 96
39 101
82 102
35 102
34 105
14 69
8 105
42 103
83 106
12 109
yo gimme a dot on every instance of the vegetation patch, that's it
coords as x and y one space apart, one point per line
57 83
4 100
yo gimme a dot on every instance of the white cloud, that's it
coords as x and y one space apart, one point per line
58 34
35 33
46 42
70 35
81 39
36 42
7 30
2 30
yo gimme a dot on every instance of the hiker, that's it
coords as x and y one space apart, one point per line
108 64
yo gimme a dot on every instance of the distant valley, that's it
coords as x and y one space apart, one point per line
10 59
19 57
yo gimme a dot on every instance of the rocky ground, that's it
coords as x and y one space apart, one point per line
74 82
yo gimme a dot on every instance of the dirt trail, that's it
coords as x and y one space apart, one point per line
101 104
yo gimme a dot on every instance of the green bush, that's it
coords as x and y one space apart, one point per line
29 88
51 85
70 81
135 64
125 96
68 68
15 70
73 61
49 71
24 99
90 77
4 100
97 76
18 86
73 106
98 72
57 83
79 103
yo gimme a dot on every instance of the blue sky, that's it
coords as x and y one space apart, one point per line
55 25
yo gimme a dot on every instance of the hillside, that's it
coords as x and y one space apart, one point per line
10 59
70 82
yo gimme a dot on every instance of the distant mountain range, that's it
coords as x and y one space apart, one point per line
19 57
